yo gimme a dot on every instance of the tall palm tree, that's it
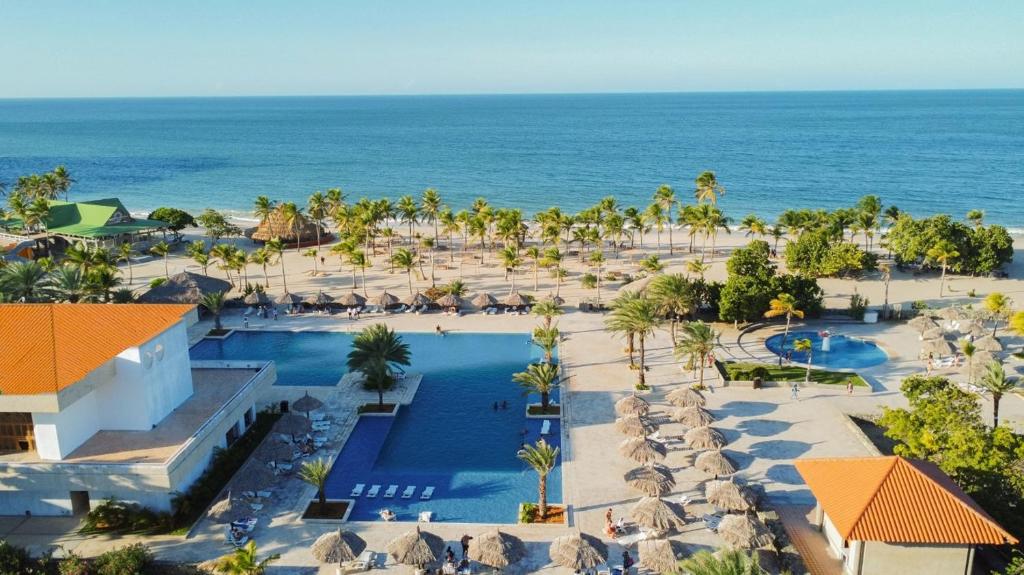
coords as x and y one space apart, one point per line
429 244
547 338
374 350
997 384
675 299
542 458
275 247
294 219
976 217
69 283
262 258
357 258
101 280
998 307
125 254
698 341
317 207
943 252
728 561
665 196
708 189
547 309
263 207
969 349
804 345
408 212
511 260
162 249
244 561
553 259
886 270
597 260
225 253
534 254
784 305
539 378
405 260
312 254
639 318
655 215
431 202
315 473
697 267
213 301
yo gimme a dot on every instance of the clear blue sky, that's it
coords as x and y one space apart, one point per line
79 48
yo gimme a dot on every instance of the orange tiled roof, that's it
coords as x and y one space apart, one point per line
897 500
45 348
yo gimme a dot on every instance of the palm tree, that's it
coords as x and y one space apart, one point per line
728 561
1016 323
997 384
708 188
546 338
101 280
754 225
214 303
674 297
638 317
976 217
313 254
969 349
785 305
275 248
293 218
25 280
263 207
542 458
697 343
262 258
69 283
597 260
511 260
804 345
405 260
943 252
162 249
652 264
546 309
317 208
316 473
539 378
998 306
886 270
408 212
534 254
665 197
125 254
431 202
373 352
357 258
697 267
244 561
429 244
225 253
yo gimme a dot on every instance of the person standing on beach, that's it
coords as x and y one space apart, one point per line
465 545
794 391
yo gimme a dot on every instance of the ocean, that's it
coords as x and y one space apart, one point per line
924 151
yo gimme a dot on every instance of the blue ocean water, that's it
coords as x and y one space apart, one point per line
450 437
924 151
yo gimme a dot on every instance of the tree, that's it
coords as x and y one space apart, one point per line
539 378
244 561
546 309
665 197
1017 323
697 342
969 349
547 338
125 253
408 212
886 270
534 254
697 267
597 260
214 303
405 260
511 260
675 298
315 473
69 283
708 189
374 350
943 252
26 281
162 249
998 307
294 220
996 383
175 219
263 207
804 346
431 202
976 217
312 254
216 225
637 318
262 257
783 305
728 561
275 248
652 264
542 458
316 206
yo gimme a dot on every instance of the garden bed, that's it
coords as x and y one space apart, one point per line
378 410
534 411
775 374
335 510
557 514
222 333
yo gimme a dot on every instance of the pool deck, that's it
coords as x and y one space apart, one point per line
766 431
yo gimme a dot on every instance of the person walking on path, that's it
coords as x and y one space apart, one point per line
465 545
794 391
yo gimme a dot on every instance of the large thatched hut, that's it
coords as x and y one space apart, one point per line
277 226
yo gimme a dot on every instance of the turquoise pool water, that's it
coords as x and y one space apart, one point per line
450 437
845 352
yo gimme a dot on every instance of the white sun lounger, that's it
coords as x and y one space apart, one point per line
374 490
392 490
409 491
428 492
545 428
426 516
264 494
357 490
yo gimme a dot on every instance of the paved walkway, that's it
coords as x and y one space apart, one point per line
808 541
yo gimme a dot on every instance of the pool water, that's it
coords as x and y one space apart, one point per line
450 437
845 352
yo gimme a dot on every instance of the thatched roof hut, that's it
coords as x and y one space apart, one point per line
256 298
643 450
658 556
578 551
307 403
185 287
484 300
932 333
385 299
337 547
685 397
293 424
416 547
288 298
632 404
449 300
496 549
516 299
693 416
715 462
729 495
226 509
653 480
276 226
988 343
658 514
704 438
937 347
254 476
416 299
352 299
635 426
274 450
319 298
744 531
922 323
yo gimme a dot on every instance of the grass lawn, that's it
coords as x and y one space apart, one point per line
795 372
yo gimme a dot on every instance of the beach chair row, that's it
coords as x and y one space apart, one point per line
391 491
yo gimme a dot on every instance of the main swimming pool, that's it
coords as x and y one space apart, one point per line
450 437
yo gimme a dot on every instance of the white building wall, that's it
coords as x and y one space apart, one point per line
58 434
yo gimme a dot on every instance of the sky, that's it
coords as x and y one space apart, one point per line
152 48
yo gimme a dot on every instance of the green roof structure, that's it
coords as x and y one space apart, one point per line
94 220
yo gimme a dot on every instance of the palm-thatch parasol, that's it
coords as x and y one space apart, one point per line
184 287
319 298
416 299
632 404
307 403
653 480
483 299
449 300
704 438
715 463
256 298
288 230
932 333
637 286
337 547
978 365
416 548
385 299
974 328
273 450
352 299
516 299
685 397
729 495
497 549
744 531
988 343
657 556
293 424
922 323
949 313
693 416
254 477
288 299
657 514
643 450
937 347
635 426
226 509
578 551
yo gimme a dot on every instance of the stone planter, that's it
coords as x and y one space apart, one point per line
556 415
392 413
349 503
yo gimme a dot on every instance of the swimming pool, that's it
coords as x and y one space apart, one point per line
450 437
845 352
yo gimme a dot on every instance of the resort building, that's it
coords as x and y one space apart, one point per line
103 222
101 401
893 515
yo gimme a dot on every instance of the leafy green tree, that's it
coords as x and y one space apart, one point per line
996 383
125 253
943 252
998 306
315 473
636 318
822 253
431 202
708 189
69 283
539 378
162 249
751 261
317 207
991 249
784 305
743 298
275 248
542 458
217 225
175 219
728 561
697 342
245 561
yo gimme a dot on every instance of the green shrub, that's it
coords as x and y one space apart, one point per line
588 281
759 372
128 560
526 512
113 516
72 564
123 295
858 305
157 282
919 305
15 560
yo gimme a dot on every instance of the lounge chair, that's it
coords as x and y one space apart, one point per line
246 524
411 309
264 494
236 541
426 516
409 491
249 494
315 417
255 506
545 428
249 311
392 490
362 563
428 492
357 490
374 490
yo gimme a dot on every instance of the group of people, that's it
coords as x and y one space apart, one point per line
613 529
451 566
502 405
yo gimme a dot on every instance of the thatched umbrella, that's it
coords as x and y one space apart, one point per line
352 299
416 548
638 286
184 287
449 300
729 495
288 299
226 509
496 549
416 299
715 463
988 343
337 547
643 450
949 313
653 480
974 328
922 323
320 298
307 403
937 347
515 299
254 477
744 531
274 450
655 513
484 300
632 404
932 333
693 416
685 397
635 426
385 299
704 438
657 555
256 298
293 424
578 551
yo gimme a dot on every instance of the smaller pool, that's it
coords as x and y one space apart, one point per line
844 352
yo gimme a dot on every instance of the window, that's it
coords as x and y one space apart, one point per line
17 432
250 416
232 435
